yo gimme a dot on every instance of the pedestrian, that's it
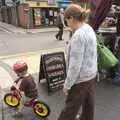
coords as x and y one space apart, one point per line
81 66
60 22
25 84
116 79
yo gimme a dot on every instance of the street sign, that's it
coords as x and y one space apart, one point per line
53 69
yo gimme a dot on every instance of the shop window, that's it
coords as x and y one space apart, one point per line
37 17
45 16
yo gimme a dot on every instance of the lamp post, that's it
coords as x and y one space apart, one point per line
27 14
15 4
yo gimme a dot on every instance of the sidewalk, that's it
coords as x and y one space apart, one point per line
107 96
13 29
7 76
33 60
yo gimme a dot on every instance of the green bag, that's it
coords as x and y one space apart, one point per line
106 59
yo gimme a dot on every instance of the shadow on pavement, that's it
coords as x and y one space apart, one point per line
28 114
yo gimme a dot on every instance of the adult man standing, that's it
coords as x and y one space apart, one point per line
60 24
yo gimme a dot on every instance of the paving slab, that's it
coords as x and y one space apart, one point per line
32 59
5 79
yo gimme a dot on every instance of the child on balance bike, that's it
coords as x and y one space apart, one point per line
25 84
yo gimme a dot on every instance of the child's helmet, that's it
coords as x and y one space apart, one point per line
20 66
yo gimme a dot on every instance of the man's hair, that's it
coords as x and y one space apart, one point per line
76 11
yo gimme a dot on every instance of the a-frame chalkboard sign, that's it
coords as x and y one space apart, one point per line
53 69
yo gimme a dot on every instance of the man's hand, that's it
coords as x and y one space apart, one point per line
65 91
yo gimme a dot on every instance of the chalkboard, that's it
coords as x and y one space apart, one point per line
53 69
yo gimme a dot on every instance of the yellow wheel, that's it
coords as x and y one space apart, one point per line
41 109
11 100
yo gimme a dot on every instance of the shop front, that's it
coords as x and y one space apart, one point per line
44 16
44 13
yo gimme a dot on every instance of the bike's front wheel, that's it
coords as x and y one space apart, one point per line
41 109
11 100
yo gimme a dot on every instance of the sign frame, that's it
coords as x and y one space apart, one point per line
53 69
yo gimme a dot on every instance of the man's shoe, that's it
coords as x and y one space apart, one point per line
61 39
56 37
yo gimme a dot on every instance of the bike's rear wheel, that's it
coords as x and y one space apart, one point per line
41 109
11 100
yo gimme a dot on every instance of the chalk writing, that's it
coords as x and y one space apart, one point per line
52 59
54 67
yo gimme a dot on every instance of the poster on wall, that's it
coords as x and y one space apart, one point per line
51 22
55 13
51 13
37 16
